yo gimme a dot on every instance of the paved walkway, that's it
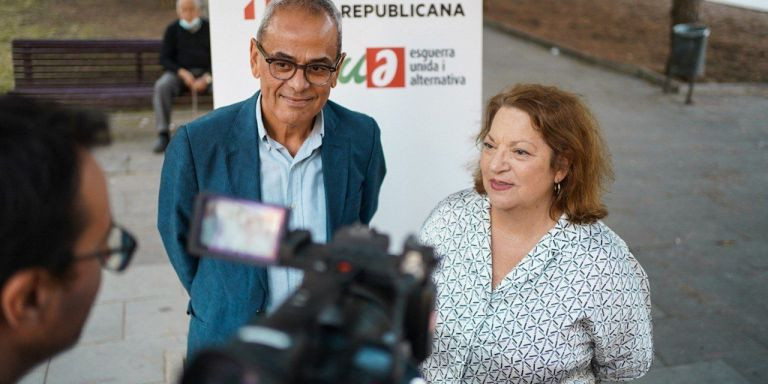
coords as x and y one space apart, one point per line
689 198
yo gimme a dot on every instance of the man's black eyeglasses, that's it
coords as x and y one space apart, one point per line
120 247
315 74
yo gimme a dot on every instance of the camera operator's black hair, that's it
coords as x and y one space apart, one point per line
40 212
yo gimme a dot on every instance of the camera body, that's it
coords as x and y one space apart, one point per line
360 315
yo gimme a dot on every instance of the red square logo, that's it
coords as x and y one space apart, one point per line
385 67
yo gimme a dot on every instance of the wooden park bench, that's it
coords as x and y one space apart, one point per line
112 74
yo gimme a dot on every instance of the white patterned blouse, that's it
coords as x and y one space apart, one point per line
576 309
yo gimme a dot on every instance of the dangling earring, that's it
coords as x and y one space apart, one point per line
557 189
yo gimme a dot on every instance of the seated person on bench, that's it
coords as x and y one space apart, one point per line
186 58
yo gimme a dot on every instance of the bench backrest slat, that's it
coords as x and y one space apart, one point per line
101 45
68 63
97 73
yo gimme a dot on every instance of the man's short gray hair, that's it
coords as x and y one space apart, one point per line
198 3
325 6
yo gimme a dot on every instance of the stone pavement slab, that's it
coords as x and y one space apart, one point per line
141 283
716 372
128 363
36 376
133 172
105 324
156 318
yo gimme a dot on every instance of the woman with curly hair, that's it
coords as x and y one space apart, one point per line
532 286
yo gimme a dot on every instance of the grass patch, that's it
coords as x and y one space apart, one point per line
83 19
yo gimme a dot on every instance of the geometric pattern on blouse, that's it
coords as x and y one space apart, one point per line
576 309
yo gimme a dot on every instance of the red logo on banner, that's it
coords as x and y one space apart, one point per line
249 13
250 10
386 67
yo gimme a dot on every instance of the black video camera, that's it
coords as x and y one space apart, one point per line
360 315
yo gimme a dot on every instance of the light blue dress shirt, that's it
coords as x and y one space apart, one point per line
297 183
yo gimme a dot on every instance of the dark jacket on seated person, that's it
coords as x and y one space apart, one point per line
184 49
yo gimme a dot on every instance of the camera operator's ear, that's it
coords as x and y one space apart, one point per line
27 299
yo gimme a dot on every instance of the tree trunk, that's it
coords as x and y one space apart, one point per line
685 11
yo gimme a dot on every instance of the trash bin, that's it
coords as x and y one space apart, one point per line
688 53
689 50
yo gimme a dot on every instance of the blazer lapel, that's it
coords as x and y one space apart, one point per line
243 164
335 155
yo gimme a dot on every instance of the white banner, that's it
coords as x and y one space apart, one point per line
414 66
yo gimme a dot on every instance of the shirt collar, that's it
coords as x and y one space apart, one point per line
317 133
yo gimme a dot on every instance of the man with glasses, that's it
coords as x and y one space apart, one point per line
285 145
56 229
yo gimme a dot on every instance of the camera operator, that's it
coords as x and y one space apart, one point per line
56 229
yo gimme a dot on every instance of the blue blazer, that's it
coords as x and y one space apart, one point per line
219 153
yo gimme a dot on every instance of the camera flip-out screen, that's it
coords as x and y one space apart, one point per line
242 230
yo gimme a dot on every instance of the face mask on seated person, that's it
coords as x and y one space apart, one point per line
191 26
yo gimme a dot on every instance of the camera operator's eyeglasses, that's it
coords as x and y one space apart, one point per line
282 69
120 247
